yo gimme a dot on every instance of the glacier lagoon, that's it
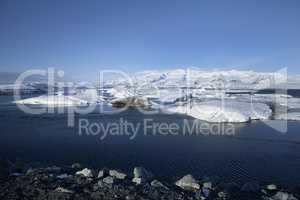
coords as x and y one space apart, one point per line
254 152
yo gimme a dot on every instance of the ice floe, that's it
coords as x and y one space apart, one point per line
292 116
54 100
224 111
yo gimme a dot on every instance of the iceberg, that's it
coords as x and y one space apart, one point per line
291 116
80 97
53 100
224 111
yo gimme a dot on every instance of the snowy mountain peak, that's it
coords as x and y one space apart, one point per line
191 77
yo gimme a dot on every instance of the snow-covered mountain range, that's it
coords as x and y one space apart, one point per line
197 78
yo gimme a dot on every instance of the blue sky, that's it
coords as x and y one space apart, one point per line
83 37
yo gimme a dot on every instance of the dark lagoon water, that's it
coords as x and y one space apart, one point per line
255 152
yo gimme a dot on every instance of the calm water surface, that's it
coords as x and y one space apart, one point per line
256 152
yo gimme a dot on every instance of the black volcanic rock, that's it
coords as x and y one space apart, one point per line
61 183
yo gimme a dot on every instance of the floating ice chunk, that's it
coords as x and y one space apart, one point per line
293 103
224 111
293 116
81 97
53 100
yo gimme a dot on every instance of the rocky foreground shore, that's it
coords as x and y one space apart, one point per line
77 182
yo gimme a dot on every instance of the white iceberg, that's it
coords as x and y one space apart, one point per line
53 100
79 97
224 111
292 116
